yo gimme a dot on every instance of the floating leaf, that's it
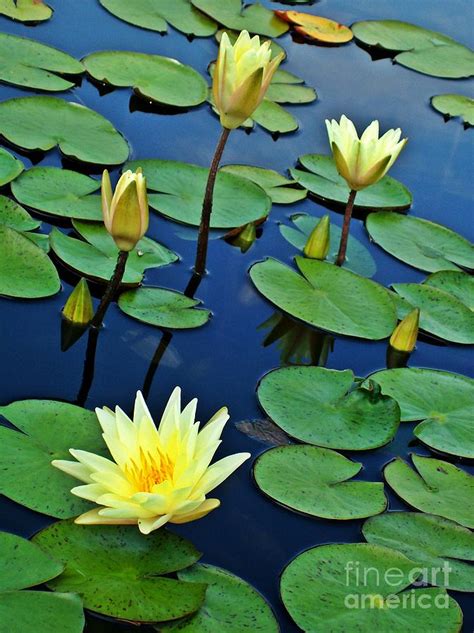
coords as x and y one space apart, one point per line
15 216
48 430
158 78
322 406
323 296
420 243
156 14
314 27
444 401
41 123
456 283
263 431
358 258
422 50
277 187
314 481
231 605
120 573
254 18
163 308
26 10
455 105
321 178
181 189
10 167
359 587
437 488
438 546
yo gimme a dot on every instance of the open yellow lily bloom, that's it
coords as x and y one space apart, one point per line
242 75
158 475
363 162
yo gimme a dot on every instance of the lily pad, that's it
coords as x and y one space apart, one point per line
323 296
96 258
358 258
356 587
121 573
231 605
25 62
439 546
452 105
10 167
48 430
33 611
59 192
232 14
317 28
155 15
458 284
181 189
314 481
158 78
420 243
324 407
26 10
444 401
417 48
163 308
280 189
321 178
42 123
437 488
16 217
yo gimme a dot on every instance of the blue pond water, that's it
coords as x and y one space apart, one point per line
222 362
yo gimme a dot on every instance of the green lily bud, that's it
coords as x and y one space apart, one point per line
317 246
405 334
79 309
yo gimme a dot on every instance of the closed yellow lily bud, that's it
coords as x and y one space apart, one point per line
405 334
317 246
125 211
79 309
242 75
363 162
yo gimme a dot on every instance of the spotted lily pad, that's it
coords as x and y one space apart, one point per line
121 573
444 401
42 123
440 547
317 28
437 488
181 189
314 481
452 105
254 18
324 407
420 243
323 296
417 48
280 189
322 179
356 587
10 167
158 78
26 10
456 283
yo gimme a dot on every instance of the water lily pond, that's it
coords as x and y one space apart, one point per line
324 321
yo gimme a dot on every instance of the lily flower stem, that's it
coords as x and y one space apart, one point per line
203 237
111 289
341 256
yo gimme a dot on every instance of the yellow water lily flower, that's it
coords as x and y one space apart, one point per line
319 240
362 162
158 475
241 78
405 335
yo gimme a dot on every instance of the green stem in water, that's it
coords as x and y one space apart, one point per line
111 289
341 256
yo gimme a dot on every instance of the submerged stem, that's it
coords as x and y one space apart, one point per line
341 256
111 289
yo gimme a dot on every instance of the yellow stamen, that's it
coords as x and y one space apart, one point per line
150 471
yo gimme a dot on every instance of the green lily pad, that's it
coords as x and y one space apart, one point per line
456 283
437 488
358 258
121 573
42 123
26 10
10 167
181 189
321 178
48 430
59 192
33 611
163 308
158 78
277 187
417 48
324 296
356 587
439 546
232 14
231 605
322 406
314 481
444 401
452 105
155 15
32 64
96 258
420 243
16 217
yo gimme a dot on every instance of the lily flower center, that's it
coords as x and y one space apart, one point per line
149 470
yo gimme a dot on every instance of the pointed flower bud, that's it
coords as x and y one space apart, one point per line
405 334
363 162
242 75
125 211
79 309
317 246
